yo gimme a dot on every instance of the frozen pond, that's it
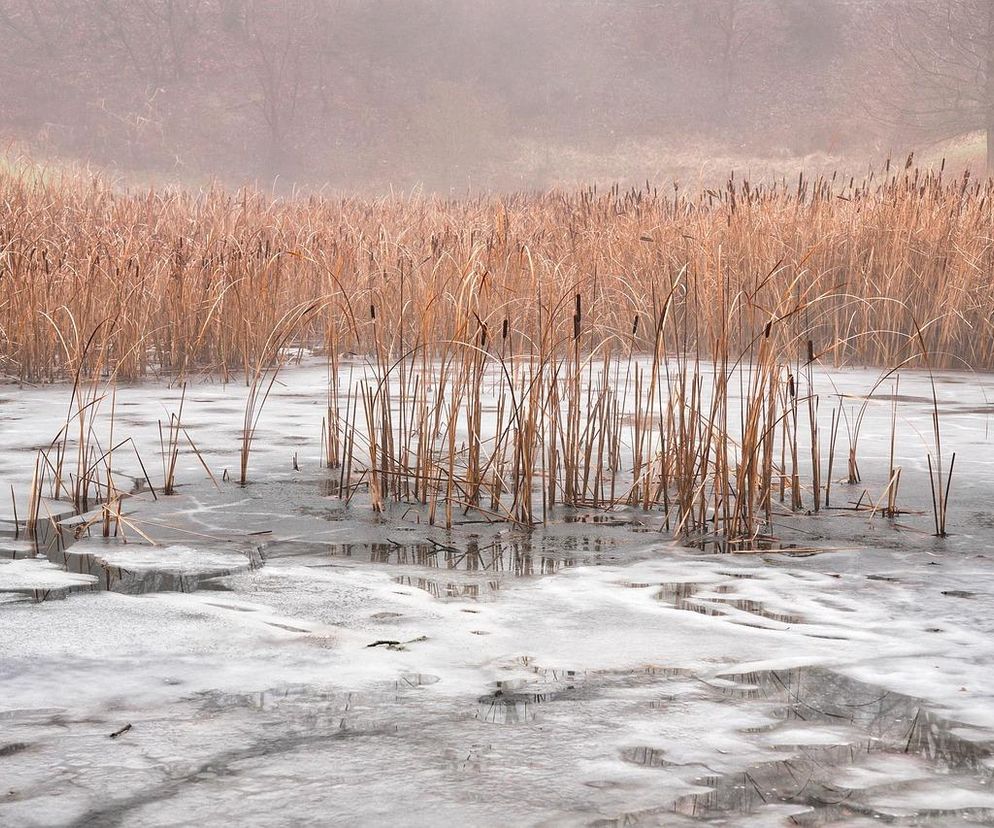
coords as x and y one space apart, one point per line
279 658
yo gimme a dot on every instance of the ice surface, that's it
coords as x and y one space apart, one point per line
29 574
284 660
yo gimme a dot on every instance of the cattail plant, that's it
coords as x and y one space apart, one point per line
508 359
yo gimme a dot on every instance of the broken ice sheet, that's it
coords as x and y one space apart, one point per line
30 575
613 679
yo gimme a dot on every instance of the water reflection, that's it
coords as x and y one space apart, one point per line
525 557
521 558
718 600
528 556
874 722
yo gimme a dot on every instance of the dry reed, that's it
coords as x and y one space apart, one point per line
524 352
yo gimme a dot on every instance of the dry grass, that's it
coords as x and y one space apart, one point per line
177 282
587 349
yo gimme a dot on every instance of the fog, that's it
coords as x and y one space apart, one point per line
493 94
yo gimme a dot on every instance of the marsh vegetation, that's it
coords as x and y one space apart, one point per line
387 457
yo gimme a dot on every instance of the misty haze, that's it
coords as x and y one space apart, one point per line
423 412
511 95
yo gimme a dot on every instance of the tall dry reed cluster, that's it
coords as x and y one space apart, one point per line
644 349
176 282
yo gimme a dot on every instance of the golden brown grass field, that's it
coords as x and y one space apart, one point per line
577 347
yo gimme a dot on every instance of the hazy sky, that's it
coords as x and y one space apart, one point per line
356 93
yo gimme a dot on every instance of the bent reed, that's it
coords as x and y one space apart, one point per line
641 348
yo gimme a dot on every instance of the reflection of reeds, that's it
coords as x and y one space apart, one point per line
523 353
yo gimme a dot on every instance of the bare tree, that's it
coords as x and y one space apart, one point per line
277 37
943 54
